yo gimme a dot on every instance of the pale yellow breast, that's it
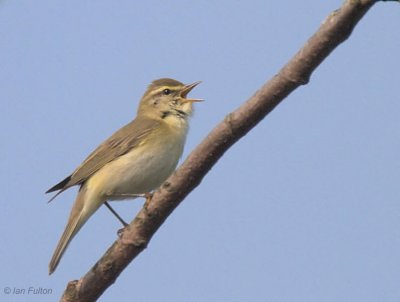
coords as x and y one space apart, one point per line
145 167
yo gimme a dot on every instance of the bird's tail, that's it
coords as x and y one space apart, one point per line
80 213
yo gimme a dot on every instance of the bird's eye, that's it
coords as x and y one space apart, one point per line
167 91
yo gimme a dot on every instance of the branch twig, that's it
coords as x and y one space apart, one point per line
336 28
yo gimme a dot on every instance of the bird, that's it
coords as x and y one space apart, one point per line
132 162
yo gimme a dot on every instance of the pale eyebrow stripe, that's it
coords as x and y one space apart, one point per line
162 88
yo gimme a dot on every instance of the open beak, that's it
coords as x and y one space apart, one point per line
186 91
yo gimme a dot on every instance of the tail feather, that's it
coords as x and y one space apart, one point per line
69 233
81 211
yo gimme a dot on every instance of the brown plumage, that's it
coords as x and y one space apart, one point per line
136 159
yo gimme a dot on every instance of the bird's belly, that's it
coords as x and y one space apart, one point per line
136 172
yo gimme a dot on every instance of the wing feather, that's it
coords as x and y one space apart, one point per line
118 144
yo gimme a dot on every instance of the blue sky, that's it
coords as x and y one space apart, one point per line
304 208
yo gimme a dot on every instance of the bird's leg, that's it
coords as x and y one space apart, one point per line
148 197
115 214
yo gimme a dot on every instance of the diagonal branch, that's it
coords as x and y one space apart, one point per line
336 28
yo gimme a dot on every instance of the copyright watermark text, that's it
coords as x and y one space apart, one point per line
30 290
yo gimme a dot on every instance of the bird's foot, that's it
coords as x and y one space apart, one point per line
148 196
120 232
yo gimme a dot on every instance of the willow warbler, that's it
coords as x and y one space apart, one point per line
134 161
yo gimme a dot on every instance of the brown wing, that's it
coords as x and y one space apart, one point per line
125 139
